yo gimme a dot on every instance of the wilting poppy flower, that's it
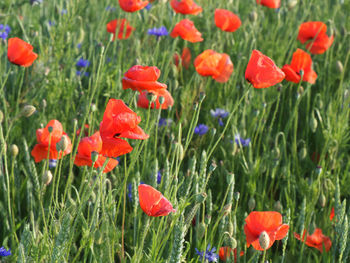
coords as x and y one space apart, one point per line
185 58
226 252
44 137
226 20
317 240
185 7
315 35
300 61
216 65
270 3
132 5
20 52
269 223
262 72
89 145
331 216
119 122
153 203
143 101
142 78
187 31
120 27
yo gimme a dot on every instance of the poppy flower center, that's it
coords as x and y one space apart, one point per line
116 135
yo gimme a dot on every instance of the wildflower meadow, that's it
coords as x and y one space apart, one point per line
174 131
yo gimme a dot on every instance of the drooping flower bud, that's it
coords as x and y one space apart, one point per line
253 16
47 177
14 150
28 110
251 204
62 145
339 66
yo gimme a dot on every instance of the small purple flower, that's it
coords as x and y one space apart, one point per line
240 141
110 8
159 177
162 31
164 122
148 7
201 129
4 252
52 163
51 23
64 11
79 45
83 63
4 31
208 254
219 114
86 74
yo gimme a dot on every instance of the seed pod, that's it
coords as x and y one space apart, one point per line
47 177
94 156
251 204
14 150
278 206
264 240
161 100
303 153
28 110
201 227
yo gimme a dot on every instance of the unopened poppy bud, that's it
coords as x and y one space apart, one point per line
47 177
227 209
14 150
28 110
230 228
44 103
301 90
253 16
276 153
62 145
236 196
201 96
230 242
200 198
322 200
94 156
93 107
98 237
251 204
303 153
278 206
313 123
291 4
180 149
264 240
161 100
1 116
201 230
212 167
339 67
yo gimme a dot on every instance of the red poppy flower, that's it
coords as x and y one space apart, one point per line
119 122
185 7
315 34
218 66
122 26
153 203
300 61
226 252
331 216
317 240
132 5
143 101
269 222
270 3
142 78
262 72
185 58
187 31
41 150
226 20
20 52
87 145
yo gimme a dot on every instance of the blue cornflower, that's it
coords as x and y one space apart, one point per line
130 192
79 45
219 114
83 63
4 252
201 129
240 141
110 8
148 7
52 163
64 11
164 122
209 254
51 23
4 31
86 74
162 31
159 177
